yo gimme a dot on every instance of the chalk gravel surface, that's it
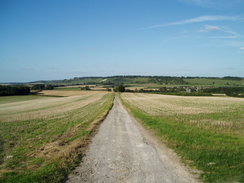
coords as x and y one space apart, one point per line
122 151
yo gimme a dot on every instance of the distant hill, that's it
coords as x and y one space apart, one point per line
138 80
115 80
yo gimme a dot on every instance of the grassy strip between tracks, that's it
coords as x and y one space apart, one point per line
218 155
46 150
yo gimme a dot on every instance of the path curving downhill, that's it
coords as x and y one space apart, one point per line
122 151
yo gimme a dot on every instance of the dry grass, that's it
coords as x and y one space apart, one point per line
173 105
221 112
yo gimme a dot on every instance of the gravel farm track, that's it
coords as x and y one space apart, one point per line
123 151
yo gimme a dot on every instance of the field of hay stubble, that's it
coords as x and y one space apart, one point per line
207 132
42 138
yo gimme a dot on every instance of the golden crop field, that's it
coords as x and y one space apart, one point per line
207 132
45 132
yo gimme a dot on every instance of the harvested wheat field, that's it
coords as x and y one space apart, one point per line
207 132
193 108
64 93
173 105
41 135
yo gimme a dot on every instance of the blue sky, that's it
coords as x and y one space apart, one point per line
62 39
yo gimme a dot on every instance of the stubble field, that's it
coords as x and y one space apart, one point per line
42 137
207 132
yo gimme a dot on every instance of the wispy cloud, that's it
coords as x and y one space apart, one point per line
215 3
232 35
196 20
242 48
211 27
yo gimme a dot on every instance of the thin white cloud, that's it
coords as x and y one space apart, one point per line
233 35
211 27
208 28
242 48
196 20
212 4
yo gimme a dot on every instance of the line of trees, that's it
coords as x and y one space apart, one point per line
232 78
42 87
229 91
14 90
171 91
8 90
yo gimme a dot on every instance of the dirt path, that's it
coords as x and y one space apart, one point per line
122 151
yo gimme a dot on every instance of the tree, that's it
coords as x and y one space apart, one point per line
38 87
14 90
85 88
49 87
120 88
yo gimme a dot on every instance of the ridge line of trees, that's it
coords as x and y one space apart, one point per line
9 90
14 90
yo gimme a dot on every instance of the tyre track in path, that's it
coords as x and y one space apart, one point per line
122 151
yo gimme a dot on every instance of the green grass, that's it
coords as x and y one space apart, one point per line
21 143
218 82
217 153
10 99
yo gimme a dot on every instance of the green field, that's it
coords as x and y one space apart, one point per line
206 132
43 138
214 82
4 100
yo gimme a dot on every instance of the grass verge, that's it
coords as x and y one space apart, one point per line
218 155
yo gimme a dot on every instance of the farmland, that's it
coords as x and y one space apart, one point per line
146 81
43 137
207 132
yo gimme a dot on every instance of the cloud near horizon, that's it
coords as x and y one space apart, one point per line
196 20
